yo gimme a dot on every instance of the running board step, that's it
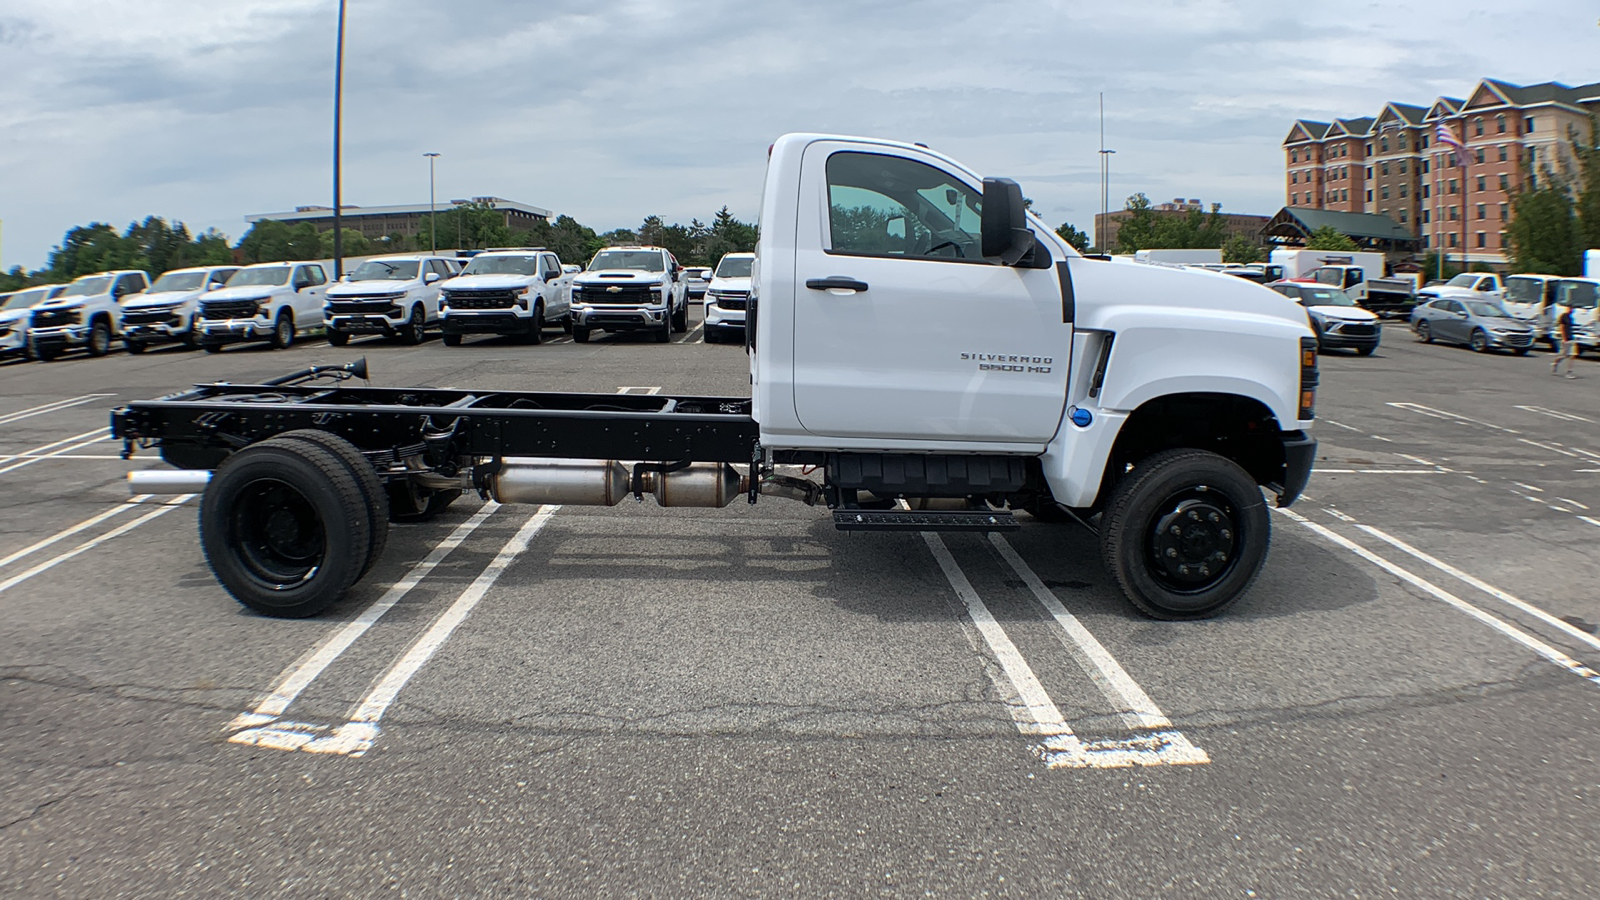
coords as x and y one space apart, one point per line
923 520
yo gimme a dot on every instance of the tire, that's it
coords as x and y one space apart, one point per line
664 333
1208 502
566 323
337 338
535 333
451 340
46 353
284 527
580 334
212 348
190 340
372 489
1424 332
99 343
680 319
1520 351
409 503
135 347
1479 341
416 329
713 335
283 331
1366 351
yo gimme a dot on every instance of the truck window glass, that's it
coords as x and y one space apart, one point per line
891 206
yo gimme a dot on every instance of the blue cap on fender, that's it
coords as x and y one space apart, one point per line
1080 417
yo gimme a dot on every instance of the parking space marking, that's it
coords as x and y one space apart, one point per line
1433 413
1031 708
120 530
65 533
639 389
689 338
39 454
46 408
300 675
356 737
1555 414
1511 631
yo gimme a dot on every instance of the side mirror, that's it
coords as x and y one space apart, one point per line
214 286
430 278
1006 237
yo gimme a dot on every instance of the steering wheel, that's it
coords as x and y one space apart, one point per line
960 254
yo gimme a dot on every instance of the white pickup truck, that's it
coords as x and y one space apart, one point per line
168 311
395 296
517 291
88 314
16 314
630 289
1466 286
932 350
269 302
728 296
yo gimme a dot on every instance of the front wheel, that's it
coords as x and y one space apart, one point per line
1479 341
566 323
535 333
680 319
1184 534
1520 351
337 338
1366 351
135 347
580 334
1424 332
416 329
451 340
664 333
212 348
99 338
283 332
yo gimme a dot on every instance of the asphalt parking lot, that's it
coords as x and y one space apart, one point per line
657 702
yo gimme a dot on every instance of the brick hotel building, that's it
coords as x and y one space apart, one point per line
1393 164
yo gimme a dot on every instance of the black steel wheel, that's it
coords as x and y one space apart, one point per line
284 527
1424 332
1479 341
1184 534
99 338
366 475
416 328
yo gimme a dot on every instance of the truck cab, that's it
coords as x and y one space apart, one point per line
395 296
517 291
87 314
1467 286
266 302
168 311
1581 296
630 289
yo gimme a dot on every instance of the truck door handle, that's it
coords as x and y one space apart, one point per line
836 283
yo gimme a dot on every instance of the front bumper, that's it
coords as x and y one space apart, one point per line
172 328
619 318
60 336
1299 452
365 324
233 331
14 342
484 323
1513 341
717 317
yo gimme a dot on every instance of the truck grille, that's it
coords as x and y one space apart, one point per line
348 306
228 309
622 295
480 299
732 299
148 316
50 318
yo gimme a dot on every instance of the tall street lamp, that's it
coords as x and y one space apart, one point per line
433 221
338 96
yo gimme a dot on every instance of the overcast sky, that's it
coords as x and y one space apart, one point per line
204 111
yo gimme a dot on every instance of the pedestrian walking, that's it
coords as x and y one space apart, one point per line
1566 347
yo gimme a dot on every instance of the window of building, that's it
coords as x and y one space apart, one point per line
1424 144
1500 124
1344 195
1527 125
1452 238
1502 152
1483 211
1427 216
1424 167
1294 156
1294 199
1480 184
1369 148
1369 195
1483 239
1385 168
1452 213
1505 212
1369 171
1402 217
1502 240
1427 241
1402 167
1404 190
1294 177
1383 145
1479 156
1477 125
1384 193
1427 191
1452 186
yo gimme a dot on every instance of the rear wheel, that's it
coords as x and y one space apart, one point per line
451 340
366 476
99 338
1184 534
336 337
283 331
416 328
285 527
1479 341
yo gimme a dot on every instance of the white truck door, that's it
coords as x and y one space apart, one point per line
901 329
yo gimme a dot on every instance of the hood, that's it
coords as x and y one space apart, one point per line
1503 322
244 292
165 298
487 282
730 284
619 276
64 302
10 316
368 288
1344 313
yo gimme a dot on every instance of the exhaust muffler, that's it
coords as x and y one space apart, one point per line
607 483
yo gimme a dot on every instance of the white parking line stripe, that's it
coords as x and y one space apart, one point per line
1450 416
1340 425
1554 448
49 564
1137 709
1510 631
1484 586
300 675
356 736
90 522
1594 522
57 406
44 447
100 456
1572 502
1036 714
39 457
641 388
689 338
1555 414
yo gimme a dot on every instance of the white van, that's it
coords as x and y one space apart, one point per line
264 302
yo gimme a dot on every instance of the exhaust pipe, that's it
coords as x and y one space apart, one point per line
607 483
168 481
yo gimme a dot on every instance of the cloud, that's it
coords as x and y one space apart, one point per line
610 112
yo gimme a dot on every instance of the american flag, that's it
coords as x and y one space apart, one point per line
1447 137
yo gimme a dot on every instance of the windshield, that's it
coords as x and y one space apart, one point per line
88 287
1462 280
23 299
385 270
639 260
262 276
502 265
1485 310
1320 297
734 267
1578 294
178 281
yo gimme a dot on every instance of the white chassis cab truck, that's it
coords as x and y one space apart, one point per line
937 354
517 291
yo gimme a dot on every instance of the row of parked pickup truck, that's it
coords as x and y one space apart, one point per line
520 291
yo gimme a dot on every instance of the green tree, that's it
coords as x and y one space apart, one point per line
1146 228
354 244
266 241
1431 270
1329 238
1073 236
1544 234
1240 249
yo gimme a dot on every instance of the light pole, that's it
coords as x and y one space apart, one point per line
1105 183
433 221
338 96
